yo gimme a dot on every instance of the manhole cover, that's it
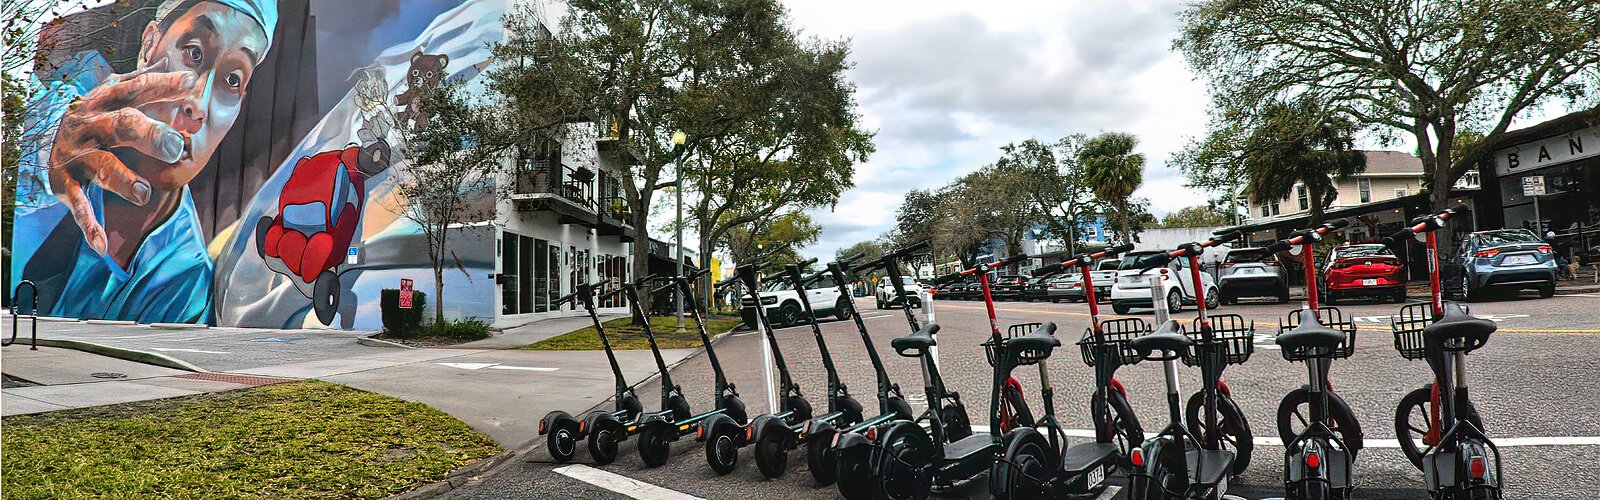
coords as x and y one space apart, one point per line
107 375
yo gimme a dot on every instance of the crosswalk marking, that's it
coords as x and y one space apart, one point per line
622 485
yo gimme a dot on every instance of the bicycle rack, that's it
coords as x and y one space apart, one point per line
33 314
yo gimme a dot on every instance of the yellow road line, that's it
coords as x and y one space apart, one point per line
1546 330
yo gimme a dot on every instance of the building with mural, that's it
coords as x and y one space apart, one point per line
232 162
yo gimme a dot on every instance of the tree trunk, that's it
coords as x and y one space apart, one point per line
706 301
1439 199
438 293
641 253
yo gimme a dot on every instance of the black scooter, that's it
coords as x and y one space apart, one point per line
821 437
773 436
723 436
562 429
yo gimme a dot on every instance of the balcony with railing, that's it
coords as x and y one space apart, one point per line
544 184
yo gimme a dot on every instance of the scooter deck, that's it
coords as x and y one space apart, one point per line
1087 466
1209 466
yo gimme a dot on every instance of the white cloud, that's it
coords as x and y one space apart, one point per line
945 84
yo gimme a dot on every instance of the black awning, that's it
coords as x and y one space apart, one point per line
1302 220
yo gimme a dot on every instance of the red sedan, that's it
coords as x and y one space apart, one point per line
1366 270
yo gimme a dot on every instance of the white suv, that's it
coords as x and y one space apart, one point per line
886 296
1132 288
783 307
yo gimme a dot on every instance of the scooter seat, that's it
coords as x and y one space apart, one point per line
1457 324
1210 466
1168 337
1041 339
1310 334
916 344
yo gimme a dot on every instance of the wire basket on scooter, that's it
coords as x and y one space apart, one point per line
1024 358
1408 325
1232 337
1113 341
1330 317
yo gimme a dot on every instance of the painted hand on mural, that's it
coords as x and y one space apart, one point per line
107 118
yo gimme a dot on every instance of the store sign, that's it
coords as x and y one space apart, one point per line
1533 185
1549 151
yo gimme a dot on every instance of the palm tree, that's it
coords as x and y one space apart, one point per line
1115 171
1300 142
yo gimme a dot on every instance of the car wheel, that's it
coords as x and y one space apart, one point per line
1399 296
789 314
1547 291
1283 295
841 309
1174 301
1329 299
1119 308
1227 300
1213 299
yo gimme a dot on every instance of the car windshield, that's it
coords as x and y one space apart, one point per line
1364 251
1135 261
1506 237
1108 265
1245 255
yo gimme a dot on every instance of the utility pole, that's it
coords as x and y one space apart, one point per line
677 141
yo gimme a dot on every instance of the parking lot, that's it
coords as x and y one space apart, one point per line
1536 384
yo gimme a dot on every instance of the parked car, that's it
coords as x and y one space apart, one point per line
1252 272
1068 287
1508 259
888 297
1006 287
1036 289
1132 287
1367 270
782 304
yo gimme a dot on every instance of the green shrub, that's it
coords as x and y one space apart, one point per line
402 323
463 329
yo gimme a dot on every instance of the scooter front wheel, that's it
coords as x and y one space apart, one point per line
772 457
907 453
563 441
1234 429
854 473
654 446
1294 414
1020 473
722 448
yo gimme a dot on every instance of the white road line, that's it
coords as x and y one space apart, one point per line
173 349
495 366
621 485
1109 493
1387 443
523 368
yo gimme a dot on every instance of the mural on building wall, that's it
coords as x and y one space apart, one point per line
228 161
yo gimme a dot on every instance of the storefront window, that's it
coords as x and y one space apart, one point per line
508 263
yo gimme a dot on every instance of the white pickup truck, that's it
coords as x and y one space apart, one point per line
782 303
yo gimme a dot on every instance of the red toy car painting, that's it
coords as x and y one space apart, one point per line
319 211
1368 270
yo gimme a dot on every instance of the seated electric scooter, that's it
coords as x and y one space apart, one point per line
1029 470
1317 462
1197 460
1438 427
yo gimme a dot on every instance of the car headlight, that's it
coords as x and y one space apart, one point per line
769 300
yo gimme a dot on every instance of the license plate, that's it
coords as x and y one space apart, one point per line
1096 476
1519 260
1251 270
1369 282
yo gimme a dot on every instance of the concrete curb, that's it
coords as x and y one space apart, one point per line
148 358
457 478
180 326
372 342
110 322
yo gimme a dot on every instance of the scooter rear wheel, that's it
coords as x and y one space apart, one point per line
603 440
563 441
1121 426
856 479
772 457
722 449
1294 413
821 459
654 446
907 452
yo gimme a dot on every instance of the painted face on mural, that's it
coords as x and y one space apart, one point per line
144 135
220 46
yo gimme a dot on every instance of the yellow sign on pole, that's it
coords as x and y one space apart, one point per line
716 270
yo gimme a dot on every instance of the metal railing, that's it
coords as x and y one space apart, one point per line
33 314
545 176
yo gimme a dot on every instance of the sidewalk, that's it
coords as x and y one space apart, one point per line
499 391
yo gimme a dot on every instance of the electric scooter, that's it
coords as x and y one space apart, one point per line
1439 429
1033 466
724 437
774 436
821 437
912 460
1194 461
1320 454
562 429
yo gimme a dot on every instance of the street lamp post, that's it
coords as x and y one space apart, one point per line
677 142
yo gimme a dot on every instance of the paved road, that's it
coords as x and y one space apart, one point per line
1538 377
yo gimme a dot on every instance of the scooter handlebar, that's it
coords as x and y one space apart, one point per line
1425 224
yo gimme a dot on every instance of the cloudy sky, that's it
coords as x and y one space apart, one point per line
945 84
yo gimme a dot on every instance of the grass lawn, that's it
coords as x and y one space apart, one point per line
623 335
293 440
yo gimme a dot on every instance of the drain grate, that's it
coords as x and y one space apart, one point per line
107 375
250 380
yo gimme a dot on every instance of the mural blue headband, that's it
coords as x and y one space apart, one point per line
264 12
